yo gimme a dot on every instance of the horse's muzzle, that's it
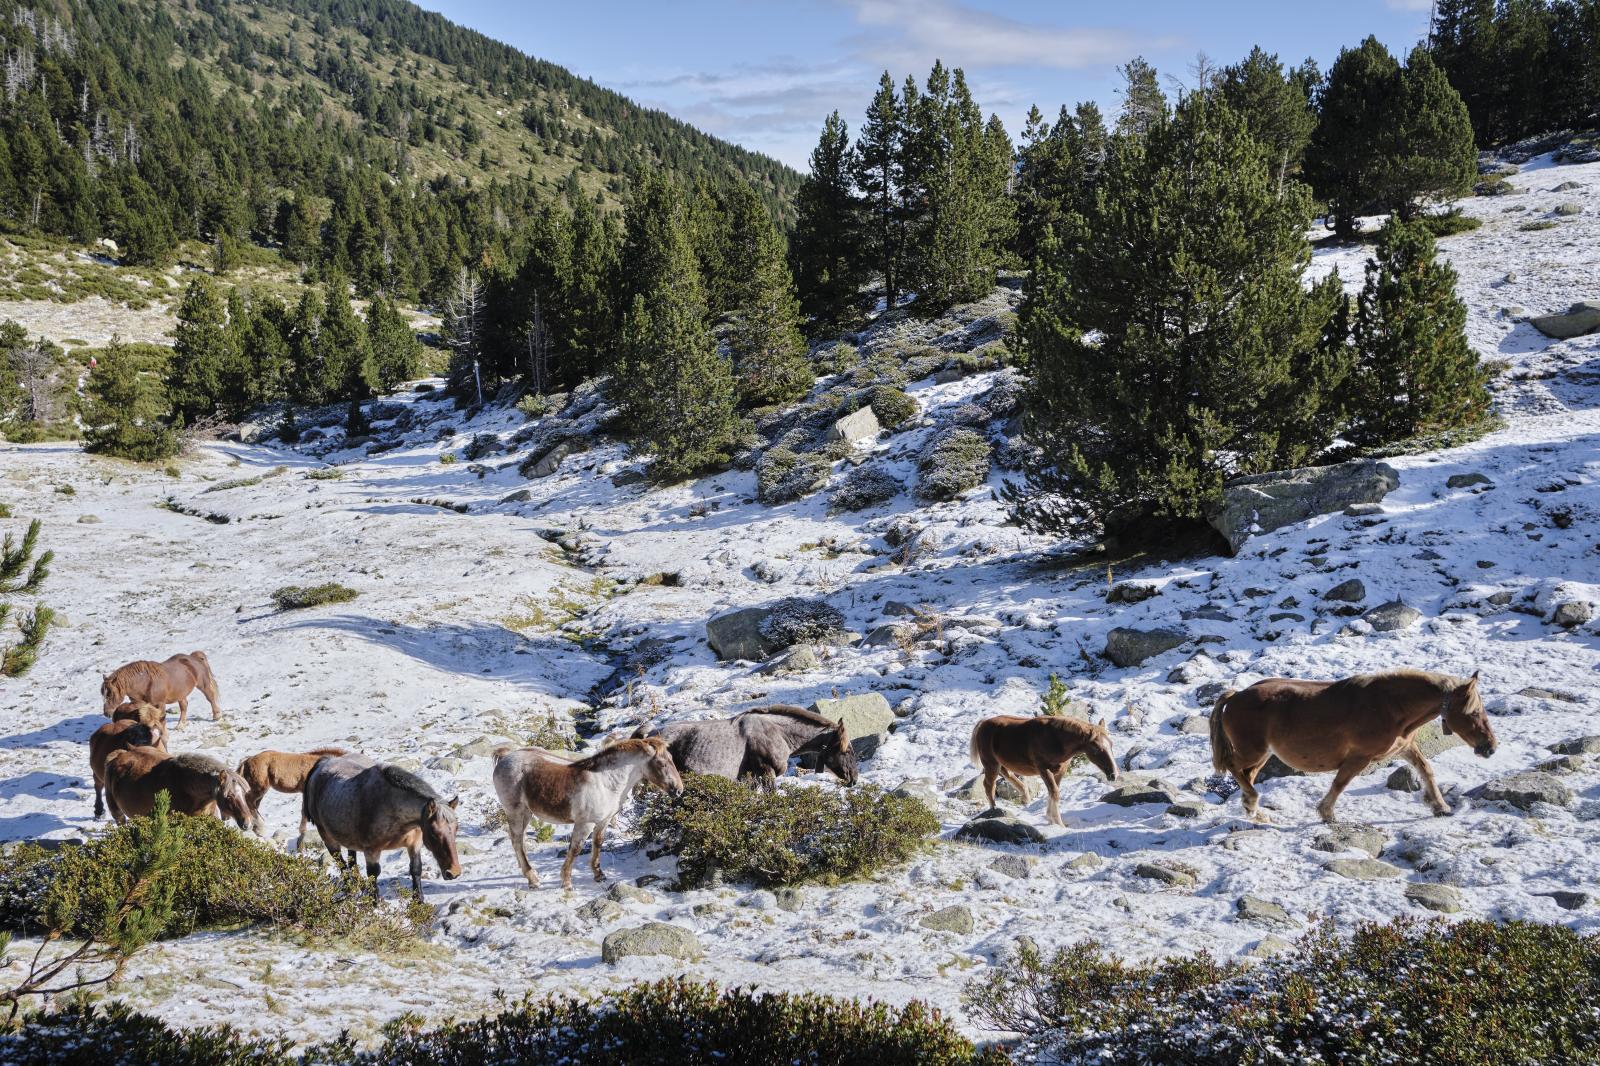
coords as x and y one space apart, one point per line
451 875
1484 750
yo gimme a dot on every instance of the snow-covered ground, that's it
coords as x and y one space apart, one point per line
453 638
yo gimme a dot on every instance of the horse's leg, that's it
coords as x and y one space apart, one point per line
116 810
1017 780
1347 773
1430 788
1247 789
594 851
580 833
210 689
372 869
517 827
416 870
183 711
990 773
99 801
1051 786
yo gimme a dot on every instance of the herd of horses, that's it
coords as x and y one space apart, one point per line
359 804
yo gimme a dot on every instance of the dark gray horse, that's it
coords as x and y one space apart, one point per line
758 743
372 808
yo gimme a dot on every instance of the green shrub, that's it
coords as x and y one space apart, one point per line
1450 223
327 473
447 458
1473 993
864 487
293 597
673 1022
221 878
892 406
953 462
840 359
480 445
783 475
535 405
1543 223
797 833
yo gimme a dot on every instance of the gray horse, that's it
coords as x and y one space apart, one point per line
758 743
373 808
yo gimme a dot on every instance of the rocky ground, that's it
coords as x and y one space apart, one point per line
534 581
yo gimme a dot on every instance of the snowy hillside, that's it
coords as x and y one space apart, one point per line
479 618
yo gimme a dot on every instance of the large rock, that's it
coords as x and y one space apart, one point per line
855 426
1579 319
1260 912
1264 502
549 461
1137 792
1000 829
1577 746
651 938
1392 617
1523 790
737 635
952 919
1130 647
758 633
867 718
1441 898
1349 838
1167 875
1363 869
1351 591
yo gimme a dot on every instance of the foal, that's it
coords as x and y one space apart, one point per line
1041 747
198 784
585 794
148 714
115 736
280 771
1343 726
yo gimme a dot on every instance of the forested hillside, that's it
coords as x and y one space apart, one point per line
370 138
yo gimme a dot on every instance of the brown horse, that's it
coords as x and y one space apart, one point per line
1040 747
585 794
146 714
1343 726
280 771
162 684
198 784
115 736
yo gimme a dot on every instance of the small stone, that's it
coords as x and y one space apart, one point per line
1080 863
1001 829
1132 592
1565 899
1244 839
797 660
1349 838
1014 866
1363 869
88 520
971 790
1467 481
1441 898
1165 874
1392 617
600 911
1130 647
1135 793
952 919
1364 510
759 900
1404 779
1577 746
623 892
1534 693
1523 790
1187 810
1261 912
1269 946
788 898
652 938
1195 724
1350 591
1562 764
1572 614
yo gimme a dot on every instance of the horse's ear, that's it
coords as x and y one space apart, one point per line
1474 680
454 802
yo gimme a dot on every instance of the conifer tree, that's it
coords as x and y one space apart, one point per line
1172 342
304 342
345 368
1056 171
205 369
675 391
396 352
1275 104
769 354
1415 371
1144 105
127 410
1344 160
829 268
1430 154
879 171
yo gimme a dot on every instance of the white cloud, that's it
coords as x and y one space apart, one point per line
906 32
1409 5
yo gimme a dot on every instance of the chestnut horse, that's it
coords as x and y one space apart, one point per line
162 684
148 714
585 794
372 808
198 784
280 771
115 736
1041 747
1343 726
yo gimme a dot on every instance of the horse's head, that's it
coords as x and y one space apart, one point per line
1098 751
839 757
233 799
110 694
659 769
439 835
1465 716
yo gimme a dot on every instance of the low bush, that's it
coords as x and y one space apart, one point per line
662 1023
1472 993
1534 227
783 475
865 486
797 833
840 359
799 621
892 406
953 462
535 405
1450 223
294 597
480 445
326 473
221 878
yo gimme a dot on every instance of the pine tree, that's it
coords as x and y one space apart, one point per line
396 352
1344 160
345 369
1144 105
1172 342
879 170
829 268
305 346
675 391
264 351
127 410
1275 104
464 327
1415 371
1056 172
1431 155
769 354
205 369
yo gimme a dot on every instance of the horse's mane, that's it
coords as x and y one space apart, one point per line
327 752
201 764
789 710
409 781
1073 724
141 668
608 754
1442 682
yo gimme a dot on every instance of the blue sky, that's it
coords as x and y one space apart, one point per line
764 74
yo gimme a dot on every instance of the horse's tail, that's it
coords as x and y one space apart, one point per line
1221 746
974 755
502 751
